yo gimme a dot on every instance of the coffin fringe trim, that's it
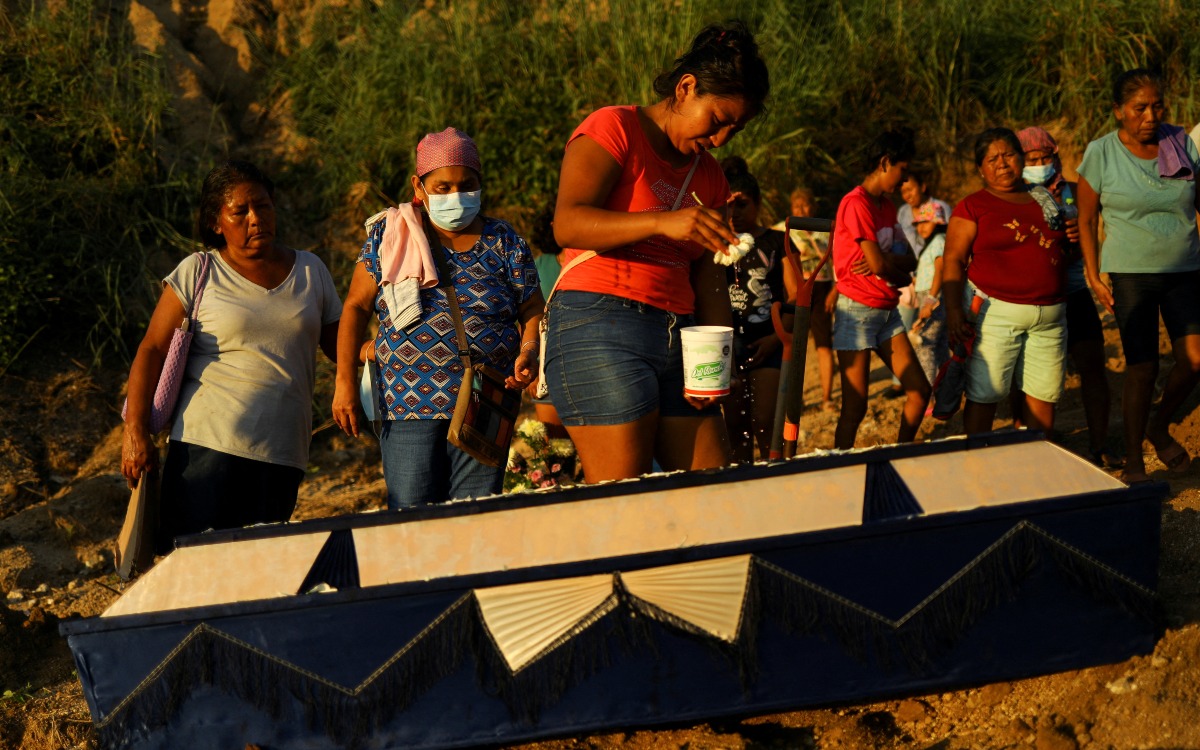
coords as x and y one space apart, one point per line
621 623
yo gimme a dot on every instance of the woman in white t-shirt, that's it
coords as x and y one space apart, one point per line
239 441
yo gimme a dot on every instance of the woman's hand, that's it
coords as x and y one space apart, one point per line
703 402
761 349
366 352
138 453
958 330
525 370
347 411
1072 230
706 227
925 312
1102 291
831 299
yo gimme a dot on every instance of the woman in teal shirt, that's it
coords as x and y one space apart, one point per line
1141 177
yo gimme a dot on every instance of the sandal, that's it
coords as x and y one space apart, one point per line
1174 457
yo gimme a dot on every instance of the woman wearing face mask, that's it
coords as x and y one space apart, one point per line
416 351
872 262
1142 177
1016 246
1085 332
639 188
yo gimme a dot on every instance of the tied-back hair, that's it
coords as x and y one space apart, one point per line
897 144
1126 84
737 174
990 136
725 61
217 186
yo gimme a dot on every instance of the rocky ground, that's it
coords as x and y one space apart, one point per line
62 503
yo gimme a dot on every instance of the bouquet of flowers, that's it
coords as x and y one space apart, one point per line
537 461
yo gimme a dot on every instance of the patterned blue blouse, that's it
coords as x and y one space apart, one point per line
420 371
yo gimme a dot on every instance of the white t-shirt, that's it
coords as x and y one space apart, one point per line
248 387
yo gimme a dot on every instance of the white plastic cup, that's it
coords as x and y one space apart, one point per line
707 360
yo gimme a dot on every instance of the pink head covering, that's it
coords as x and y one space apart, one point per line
929 211
1037 139
449 148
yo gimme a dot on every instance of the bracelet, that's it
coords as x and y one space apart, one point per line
528 345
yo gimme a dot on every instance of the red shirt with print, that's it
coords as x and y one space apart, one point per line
863 218
1016 257
656 270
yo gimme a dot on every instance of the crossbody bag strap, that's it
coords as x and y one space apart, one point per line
446 284
589 254
198 290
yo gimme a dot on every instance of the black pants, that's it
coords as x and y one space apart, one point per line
206 489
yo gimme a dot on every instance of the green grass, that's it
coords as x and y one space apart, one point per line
520 75
83 192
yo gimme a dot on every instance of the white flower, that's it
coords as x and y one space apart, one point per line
531 429
562 447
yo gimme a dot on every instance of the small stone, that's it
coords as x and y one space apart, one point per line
16 595
1122 686
911 710
41 589
1159 661
995 693
74 584
48 603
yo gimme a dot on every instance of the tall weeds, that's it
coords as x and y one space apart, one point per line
81 187
519 75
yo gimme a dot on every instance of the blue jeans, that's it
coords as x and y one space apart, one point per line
420 466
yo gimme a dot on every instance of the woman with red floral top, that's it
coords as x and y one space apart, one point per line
639 187
1014 239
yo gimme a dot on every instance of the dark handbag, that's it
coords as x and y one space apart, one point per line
166 392
485 414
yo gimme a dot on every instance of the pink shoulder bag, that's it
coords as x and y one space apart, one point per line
166 393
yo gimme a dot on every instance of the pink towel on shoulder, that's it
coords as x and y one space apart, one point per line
404 252
1173 160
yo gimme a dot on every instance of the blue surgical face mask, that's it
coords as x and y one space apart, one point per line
453 211
1039 175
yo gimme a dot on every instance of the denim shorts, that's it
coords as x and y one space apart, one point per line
1022 346
611 360
1137 300
858 327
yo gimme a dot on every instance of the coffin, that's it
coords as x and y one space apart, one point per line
672 598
